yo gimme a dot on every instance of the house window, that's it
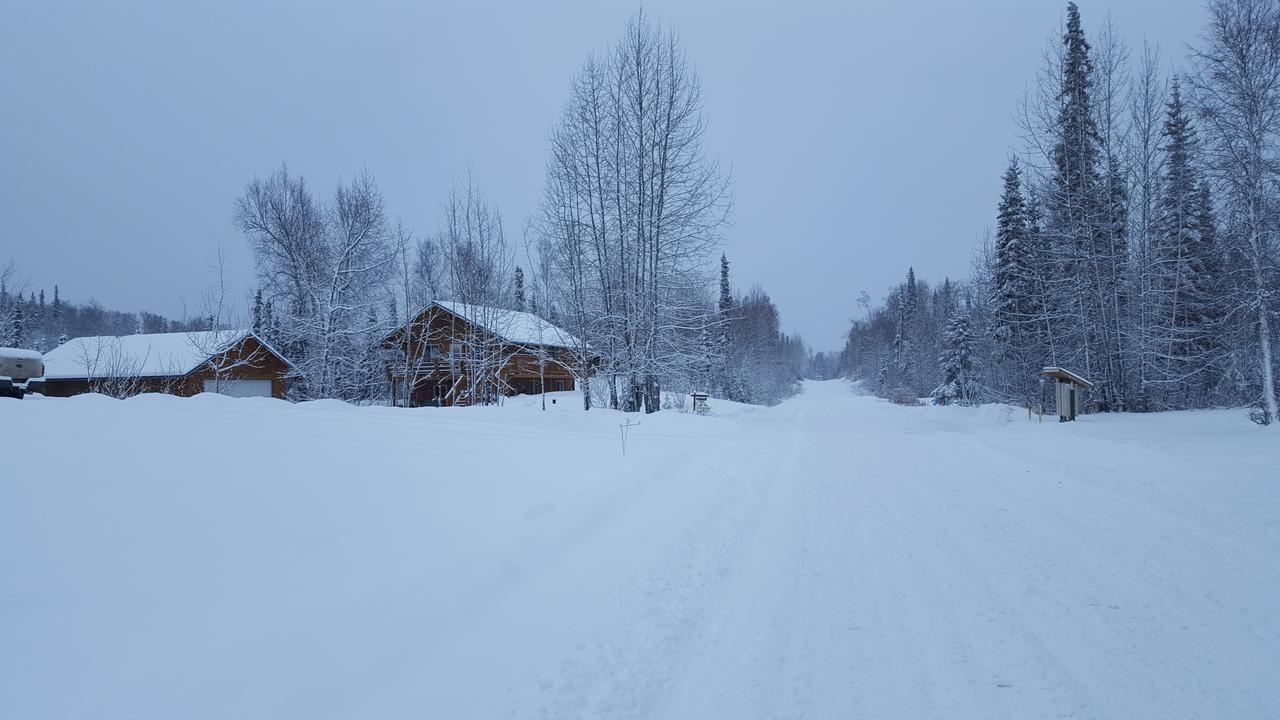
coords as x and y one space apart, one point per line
432 352
558 385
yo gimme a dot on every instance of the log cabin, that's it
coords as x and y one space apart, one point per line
229 362
454 353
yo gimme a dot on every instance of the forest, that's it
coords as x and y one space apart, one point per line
1134 241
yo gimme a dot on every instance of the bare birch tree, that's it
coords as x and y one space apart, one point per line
1237 86
327 270
478 261
635 207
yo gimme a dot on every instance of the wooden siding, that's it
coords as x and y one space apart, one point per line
437 379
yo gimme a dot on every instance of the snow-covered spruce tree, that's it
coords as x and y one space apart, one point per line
1237 83
903 347
958 386
884 371
17 326
517 291
1015 314
1213 388
710 358
55 315
1082 230
1183 341
724 383
257 312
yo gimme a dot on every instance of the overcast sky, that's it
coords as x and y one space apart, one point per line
862 137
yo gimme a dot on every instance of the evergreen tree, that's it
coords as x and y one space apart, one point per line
724 381
257 312
18 326
55 315
1211 285
269 322
1185 276
903 346
956 360
519 289
726 293
1084 231
1014 316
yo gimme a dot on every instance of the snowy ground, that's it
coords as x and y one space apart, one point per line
833 557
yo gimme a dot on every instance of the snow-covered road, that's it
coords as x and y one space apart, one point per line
836 556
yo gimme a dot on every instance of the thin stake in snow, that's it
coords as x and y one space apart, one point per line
624 427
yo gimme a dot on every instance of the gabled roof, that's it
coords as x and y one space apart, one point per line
1067 376
513 326
142 355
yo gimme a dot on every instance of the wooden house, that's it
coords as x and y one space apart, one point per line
229 362
459 354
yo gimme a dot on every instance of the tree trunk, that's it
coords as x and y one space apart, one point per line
1264 338
653 394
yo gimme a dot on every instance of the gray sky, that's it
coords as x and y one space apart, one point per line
862 137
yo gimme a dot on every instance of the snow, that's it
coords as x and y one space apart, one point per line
143 355
19 353
835 556
514 326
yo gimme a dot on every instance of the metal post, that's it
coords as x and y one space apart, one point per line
623 427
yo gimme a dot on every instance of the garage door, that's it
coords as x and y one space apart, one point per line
239 388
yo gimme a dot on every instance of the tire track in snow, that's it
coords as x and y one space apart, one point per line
746 664
630 669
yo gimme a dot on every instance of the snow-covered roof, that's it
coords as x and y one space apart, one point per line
143 355
514 326
1065 375
20 353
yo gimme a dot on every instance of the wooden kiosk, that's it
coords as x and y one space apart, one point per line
1069 387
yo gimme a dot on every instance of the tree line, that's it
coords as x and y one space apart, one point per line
1135 237
34 320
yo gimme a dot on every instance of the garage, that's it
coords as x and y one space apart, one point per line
237 363
238 388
